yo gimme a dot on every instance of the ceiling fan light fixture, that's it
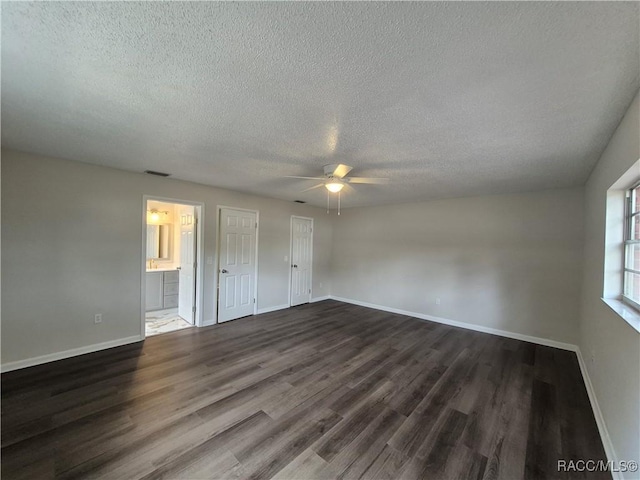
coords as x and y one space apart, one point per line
333 186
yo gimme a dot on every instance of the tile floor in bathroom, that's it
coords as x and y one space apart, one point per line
163 321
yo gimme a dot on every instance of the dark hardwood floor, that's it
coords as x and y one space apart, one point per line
327 390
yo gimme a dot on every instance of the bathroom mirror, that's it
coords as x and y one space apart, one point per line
159 242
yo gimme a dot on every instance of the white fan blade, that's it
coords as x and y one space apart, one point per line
306 178
347 189
311 188
342 170
370 180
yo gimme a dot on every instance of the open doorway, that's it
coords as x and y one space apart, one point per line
171 277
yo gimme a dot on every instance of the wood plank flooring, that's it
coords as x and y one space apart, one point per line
321 391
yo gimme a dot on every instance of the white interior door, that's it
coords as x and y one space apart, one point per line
187 283
237 264
301 259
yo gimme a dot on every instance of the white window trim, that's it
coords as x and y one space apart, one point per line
614 258
626 241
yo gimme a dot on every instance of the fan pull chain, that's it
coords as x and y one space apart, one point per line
327 202
338 203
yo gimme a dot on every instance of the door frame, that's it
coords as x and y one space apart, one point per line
291 255
217 257
199 214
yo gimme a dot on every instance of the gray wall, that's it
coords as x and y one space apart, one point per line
71 247
509 262
614 344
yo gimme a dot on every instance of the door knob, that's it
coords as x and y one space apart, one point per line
294 266
224 270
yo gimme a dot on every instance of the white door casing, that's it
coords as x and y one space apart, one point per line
199 210
237 268
187 283
301 259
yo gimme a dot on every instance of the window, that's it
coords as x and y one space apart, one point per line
621 274
631 287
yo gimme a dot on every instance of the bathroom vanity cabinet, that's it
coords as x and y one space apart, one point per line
161 290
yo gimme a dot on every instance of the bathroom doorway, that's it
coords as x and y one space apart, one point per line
171 290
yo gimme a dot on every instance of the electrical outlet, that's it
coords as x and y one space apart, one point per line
286 258
209 260
437 300
97 318
320 284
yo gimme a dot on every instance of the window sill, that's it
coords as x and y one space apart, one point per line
628 313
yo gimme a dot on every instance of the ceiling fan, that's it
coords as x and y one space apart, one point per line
335 178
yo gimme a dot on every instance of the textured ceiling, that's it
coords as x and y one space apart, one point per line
445 99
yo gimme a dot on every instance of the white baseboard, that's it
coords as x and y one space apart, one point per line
271 309
282 307
52 357
468 326
208 323
597 413
319 299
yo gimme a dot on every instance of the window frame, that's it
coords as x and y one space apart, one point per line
629 214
